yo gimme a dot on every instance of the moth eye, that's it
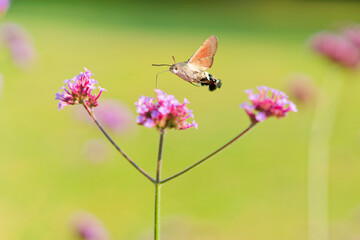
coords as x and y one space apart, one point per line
176 68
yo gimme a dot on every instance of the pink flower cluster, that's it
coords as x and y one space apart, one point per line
337 48
4 6
78 91
269 102
164 114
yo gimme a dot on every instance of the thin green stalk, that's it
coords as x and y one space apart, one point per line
210 155
319 158
91 113
157 212
158 189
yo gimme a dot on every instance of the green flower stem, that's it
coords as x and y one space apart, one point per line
91 113
157 212
210 155
319 158
157 189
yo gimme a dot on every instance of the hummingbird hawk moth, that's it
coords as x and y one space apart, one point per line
194 69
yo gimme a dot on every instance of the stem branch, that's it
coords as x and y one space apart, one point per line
210 155
157 189
91 113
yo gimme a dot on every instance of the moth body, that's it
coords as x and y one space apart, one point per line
194 69
194 75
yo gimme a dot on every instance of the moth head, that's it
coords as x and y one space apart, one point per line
175 68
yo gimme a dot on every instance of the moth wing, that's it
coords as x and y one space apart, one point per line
204 56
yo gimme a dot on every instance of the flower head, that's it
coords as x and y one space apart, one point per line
88 227
4 6
78 90
164 114
269 102
337 48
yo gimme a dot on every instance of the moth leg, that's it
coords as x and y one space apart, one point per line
194 84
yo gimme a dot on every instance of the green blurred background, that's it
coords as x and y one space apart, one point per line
254 190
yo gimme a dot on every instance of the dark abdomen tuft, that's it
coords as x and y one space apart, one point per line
212 82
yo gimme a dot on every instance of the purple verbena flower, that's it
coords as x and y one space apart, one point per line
167 112
337 48
4 6
78 90
88 227
268 102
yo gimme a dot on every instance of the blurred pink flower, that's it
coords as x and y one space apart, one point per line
95 150
336 48
114 115
88 227
269 102
164 114
78 90
301 88
4 6
353 34
19 42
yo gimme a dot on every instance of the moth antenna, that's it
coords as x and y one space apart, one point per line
174 59
157 77
158 65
